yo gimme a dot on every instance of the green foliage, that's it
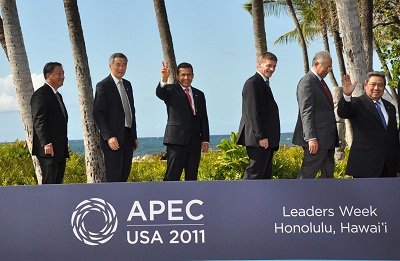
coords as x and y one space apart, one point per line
229 163
75 170
340 166
286 162
148 169
232 159
386 35
16 166
209 168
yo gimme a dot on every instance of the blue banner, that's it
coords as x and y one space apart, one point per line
340 219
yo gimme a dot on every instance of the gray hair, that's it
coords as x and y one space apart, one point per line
376 73
321 57
117 55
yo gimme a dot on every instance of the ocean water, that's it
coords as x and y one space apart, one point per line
154 145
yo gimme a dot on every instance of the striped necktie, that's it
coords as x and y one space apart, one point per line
378 108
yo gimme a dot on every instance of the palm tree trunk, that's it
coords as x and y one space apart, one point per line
366 30
336 92
350 28
2 38
20 72
334 25
260 39
301 36
95 169
166 37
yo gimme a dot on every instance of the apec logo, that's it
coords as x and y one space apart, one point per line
89 235
94 221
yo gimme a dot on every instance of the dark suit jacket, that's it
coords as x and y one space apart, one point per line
49 123
316 118
108 111
260 115
372 145
181 124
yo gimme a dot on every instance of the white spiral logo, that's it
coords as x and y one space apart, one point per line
94 238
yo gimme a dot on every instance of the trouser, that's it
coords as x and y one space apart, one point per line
52 169
260 163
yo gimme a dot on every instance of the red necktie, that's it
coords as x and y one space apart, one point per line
327 90
189 98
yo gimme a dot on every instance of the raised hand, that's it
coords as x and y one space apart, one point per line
165 71
348 87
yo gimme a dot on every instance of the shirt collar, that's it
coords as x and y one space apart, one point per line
54 90
115 79
265 78
319 77
183 88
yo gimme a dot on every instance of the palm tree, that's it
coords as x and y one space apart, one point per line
353 49
166 37
300 34
334 29
2 37
20 71
260 39
352 42
95 169
366 30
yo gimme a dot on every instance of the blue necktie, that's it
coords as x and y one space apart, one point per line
378 107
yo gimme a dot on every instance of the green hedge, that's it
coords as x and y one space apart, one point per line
228 163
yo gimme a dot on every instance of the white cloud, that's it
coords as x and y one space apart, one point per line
8 100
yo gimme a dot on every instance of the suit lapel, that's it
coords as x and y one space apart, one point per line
321 88
387 108
129 93
53 97
195 99
369 104
183 96
115 92
263 86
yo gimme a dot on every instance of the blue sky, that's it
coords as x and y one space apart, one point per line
216 37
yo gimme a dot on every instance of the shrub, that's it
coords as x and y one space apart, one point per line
75 170
229 163
232 160
340 166
16 166
286 162
148 169
209 169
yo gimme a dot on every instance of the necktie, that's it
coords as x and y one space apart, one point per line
189 98
378 108
327 90
125 104
60 102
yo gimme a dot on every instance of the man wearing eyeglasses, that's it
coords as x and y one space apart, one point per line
316 128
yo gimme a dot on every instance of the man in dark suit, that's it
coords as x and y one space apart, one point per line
259 128
375 151
316 128
114 113
187 132
50 118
